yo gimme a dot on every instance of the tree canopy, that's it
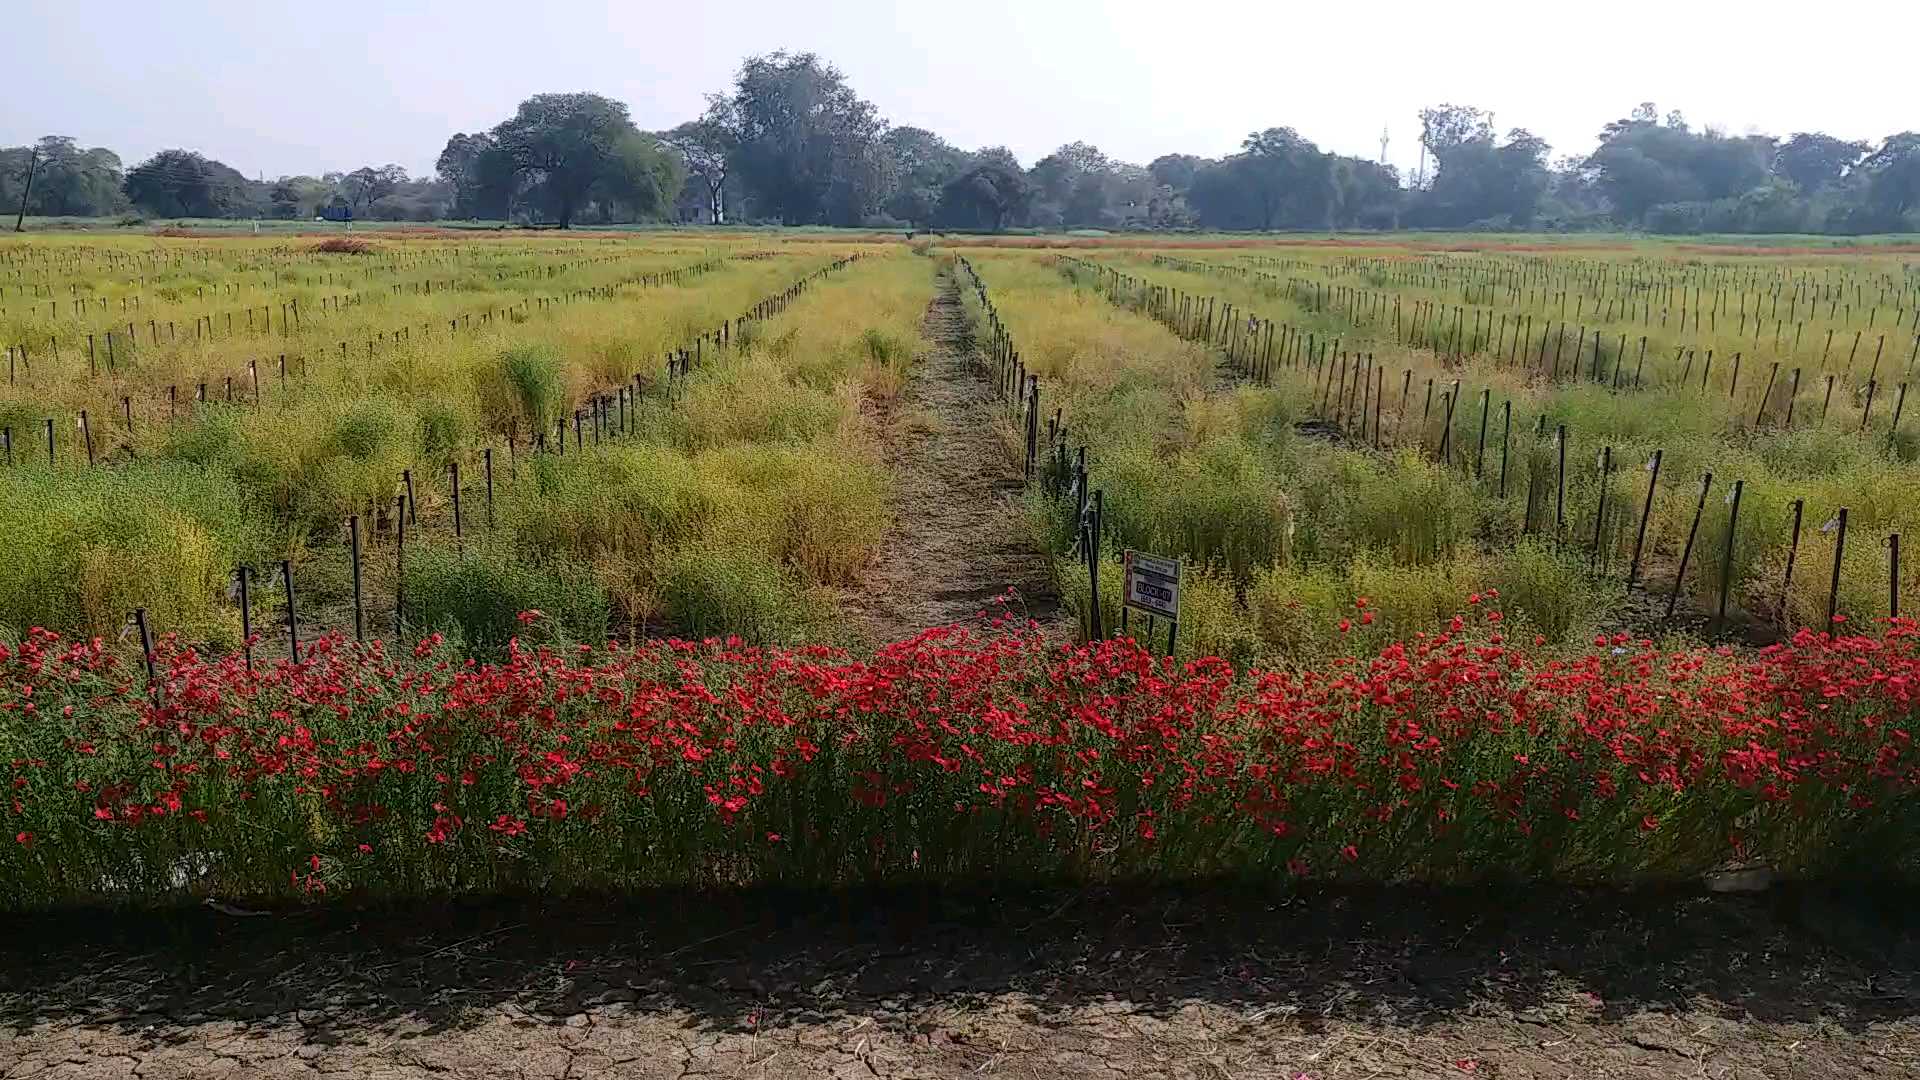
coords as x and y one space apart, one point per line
67 181
706 147
580 150
182 183
791 141
808 147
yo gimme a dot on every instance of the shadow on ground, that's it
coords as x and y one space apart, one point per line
1839 958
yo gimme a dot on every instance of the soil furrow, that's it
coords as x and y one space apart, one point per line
958 541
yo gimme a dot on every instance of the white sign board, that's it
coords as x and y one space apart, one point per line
1152 584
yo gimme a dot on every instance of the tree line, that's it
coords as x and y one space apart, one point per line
791 142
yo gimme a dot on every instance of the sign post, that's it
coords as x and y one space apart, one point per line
1152 584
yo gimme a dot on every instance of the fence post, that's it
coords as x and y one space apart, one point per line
1833 587
146 652
1793 552
1600 509
400 570
1726 557
1033 422
1772 374
1506 438
246 618
1446 434
1686 553
486 456
1646 511
1090 535
1560 484
353 550
293 614
1893 576
453 471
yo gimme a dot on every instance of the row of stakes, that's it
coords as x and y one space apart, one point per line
1193 318
605 424
1020 390
1522 286
251 387
1429 325
107 348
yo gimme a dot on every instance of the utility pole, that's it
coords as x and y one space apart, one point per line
33 161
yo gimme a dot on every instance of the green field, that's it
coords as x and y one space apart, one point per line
1294 476
615 519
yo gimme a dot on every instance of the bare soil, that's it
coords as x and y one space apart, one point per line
1190 983
958 541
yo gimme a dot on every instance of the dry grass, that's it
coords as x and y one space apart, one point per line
344 245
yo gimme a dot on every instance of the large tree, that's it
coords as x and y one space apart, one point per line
1893 178
808 145
919 165
1278 180
365 186
482 177
298 196
1445 127
1068 185
988 196
182 183
67 181
1366 194
1476 178
707 146
582 149
1176 170
1814 160
1642 163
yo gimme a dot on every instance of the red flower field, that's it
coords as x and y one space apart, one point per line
966 751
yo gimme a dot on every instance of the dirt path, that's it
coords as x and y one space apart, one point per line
958 540
1060 984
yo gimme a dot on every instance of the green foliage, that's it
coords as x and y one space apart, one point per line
885 348
1411 509
1550 592
181 183
534 376
87 547
67 181
804 143
715 590
476 596
579 148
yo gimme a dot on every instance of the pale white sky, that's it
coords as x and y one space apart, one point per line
273 87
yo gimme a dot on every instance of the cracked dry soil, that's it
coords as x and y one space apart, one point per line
1087 983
